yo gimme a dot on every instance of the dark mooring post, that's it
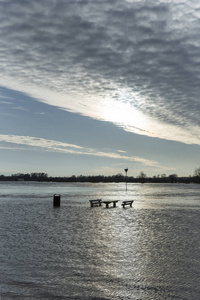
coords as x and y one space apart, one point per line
56 200
126 170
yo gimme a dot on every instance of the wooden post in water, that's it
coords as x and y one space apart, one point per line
126 170
56 200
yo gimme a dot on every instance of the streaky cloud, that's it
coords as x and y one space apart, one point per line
34 141
15 142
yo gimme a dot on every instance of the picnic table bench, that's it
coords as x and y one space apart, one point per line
95 202
127 202
107 202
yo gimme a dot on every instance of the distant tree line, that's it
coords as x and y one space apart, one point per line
25 177
141 178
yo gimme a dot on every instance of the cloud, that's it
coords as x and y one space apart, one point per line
121 151
40 113
36 142
133 63
20 108
15 142
5 102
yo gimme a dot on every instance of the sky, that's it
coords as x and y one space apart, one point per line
91 87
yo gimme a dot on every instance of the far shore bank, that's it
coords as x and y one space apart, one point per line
43 177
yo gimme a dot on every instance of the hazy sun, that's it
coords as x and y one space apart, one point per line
124 114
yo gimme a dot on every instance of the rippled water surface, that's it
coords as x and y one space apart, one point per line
149 251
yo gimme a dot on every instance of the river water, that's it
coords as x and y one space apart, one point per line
149 251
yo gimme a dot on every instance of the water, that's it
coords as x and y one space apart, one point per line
149 251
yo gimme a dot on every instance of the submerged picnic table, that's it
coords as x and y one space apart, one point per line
107 202
95 202
127 202
98 202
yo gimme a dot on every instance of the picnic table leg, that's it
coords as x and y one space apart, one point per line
114 204
107 204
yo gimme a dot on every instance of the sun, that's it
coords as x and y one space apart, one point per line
124 114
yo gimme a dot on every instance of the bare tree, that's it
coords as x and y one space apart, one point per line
197 172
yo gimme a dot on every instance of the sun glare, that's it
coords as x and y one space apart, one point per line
124 114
